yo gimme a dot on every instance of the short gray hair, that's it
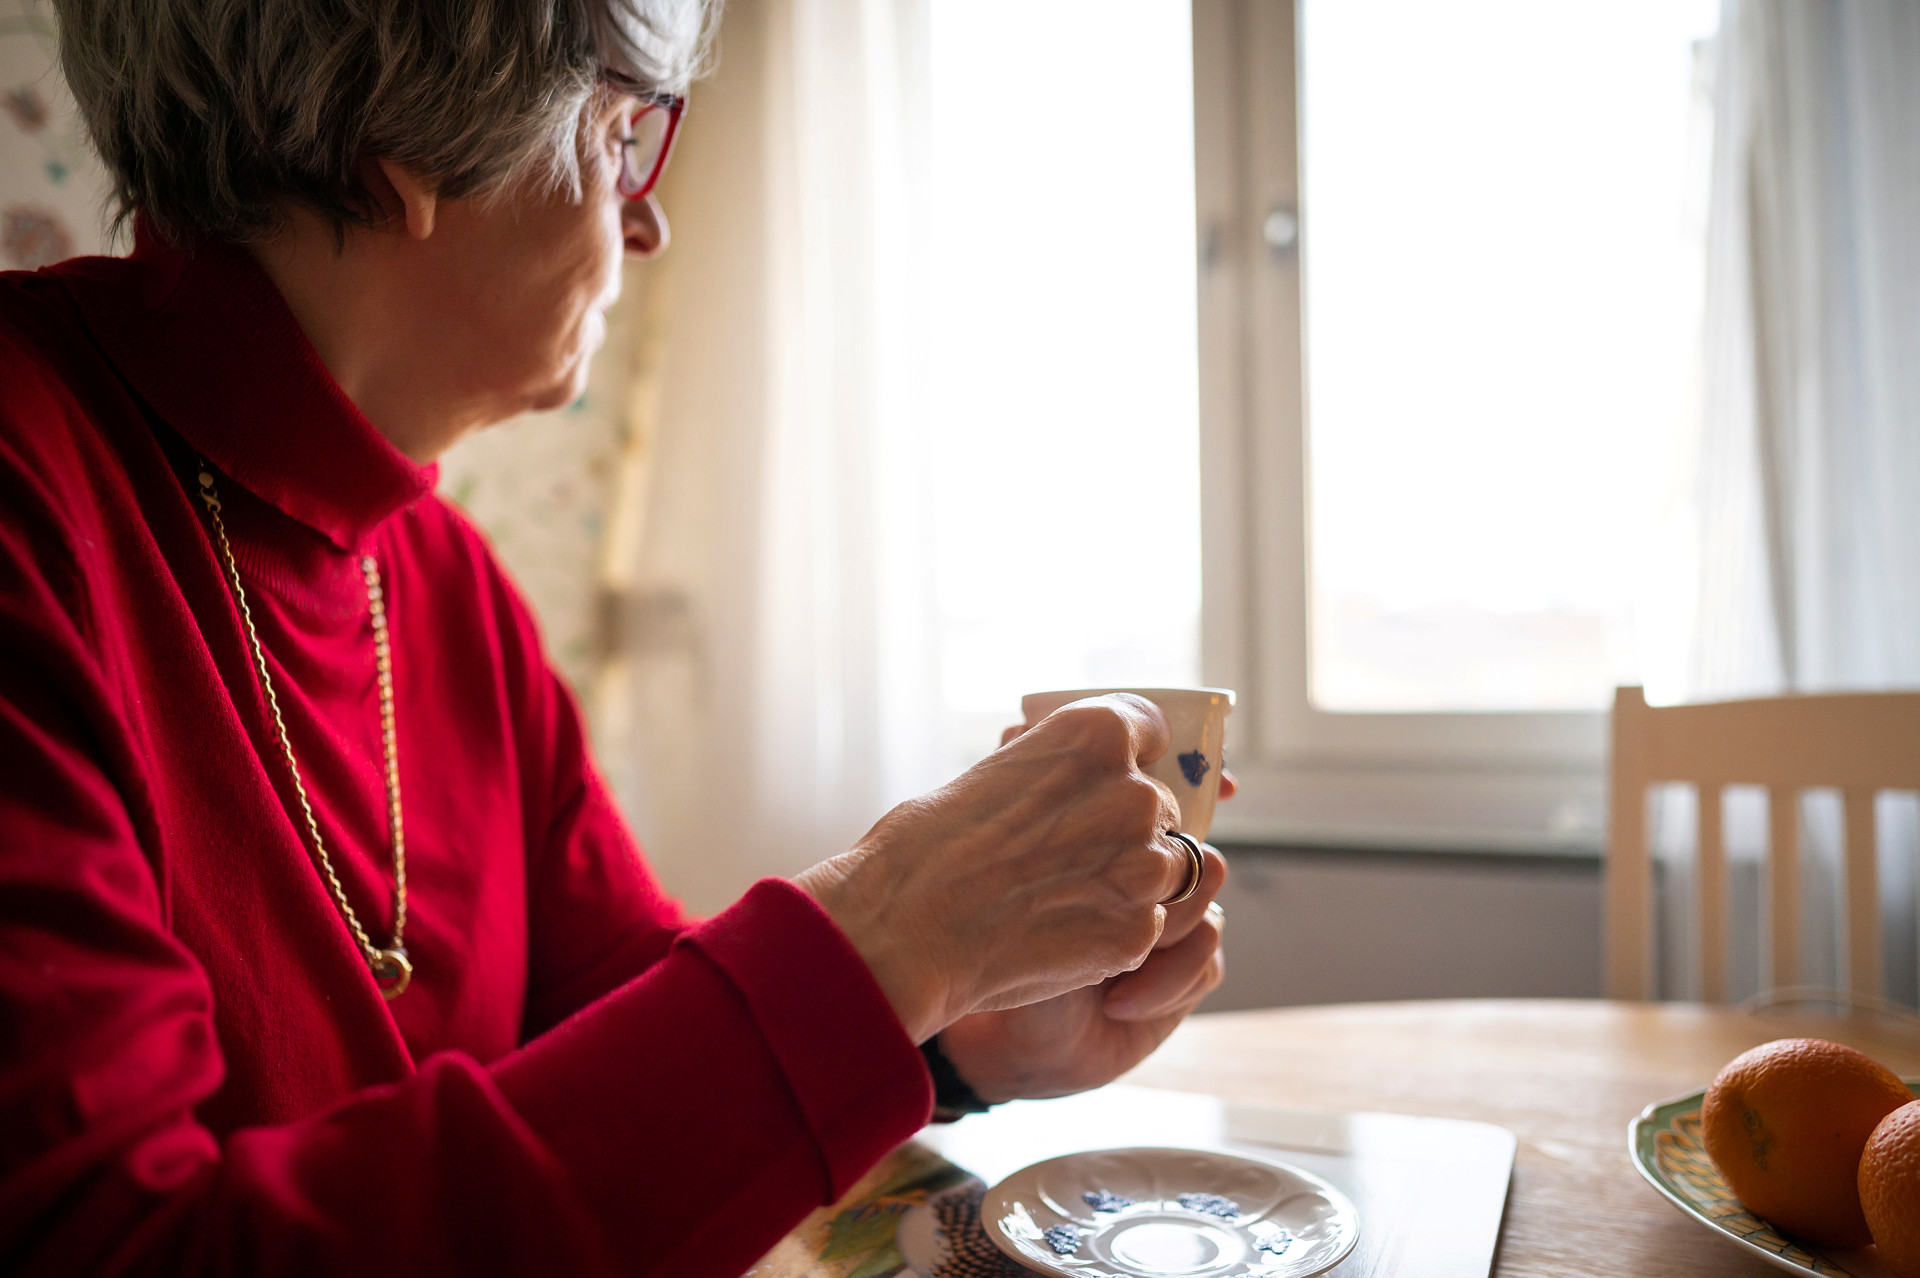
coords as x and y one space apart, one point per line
212 114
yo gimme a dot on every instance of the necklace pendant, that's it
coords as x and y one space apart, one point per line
392 972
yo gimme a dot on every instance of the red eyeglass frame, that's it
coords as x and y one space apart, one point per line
675 107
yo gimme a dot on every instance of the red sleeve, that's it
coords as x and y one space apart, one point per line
677 1125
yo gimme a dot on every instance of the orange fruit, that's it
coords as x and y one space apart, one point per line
1890 1189
1785 1123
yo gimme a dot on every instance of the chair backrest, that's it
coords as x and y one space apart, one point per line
1857 743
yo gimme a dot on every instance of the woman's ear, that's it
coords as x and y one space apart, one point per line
416 202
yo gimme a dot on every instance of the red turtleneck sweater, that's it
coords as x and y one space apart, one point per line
198 1072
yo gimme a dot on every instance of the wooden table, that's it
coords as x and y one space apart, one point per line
1565 1076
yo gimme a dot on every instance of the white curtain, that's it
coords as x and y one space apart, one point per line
1807 474
776 670
1810 491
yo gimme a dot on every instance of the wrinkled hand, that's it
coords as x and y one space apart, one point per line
1037 871
1089 1037
1227 784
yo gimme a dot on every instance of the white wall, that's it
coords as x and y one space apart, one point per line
1343 926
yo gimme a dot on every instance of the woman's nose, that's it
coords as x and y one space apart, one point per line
644 227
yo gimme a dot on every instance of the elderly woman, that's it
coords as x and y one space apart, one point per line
322 947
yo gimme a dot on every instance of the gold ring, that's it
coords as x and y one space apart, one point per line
1198 868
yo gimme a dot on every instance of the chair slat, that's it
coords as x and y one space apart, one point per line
1783 884
1629 930
1863 894
1710 893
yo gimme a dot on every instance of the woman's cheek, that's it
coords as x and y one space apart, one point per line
594 335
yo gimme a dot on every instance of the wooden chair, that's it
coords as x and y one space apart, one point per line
1857 743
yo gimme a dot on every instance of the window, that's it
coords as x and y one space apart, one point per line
1502 270
1448 317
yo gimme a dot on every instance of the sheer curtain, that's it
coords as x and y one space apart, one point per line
1807 471
1810 491
778 670
920 359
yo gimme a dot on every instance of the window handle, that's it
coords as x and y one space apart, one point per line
1281 230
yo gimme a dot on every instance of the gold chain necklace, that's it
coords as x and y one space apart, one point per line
391 969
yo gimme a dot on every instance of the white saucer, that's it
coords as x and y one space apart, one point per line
1169 1213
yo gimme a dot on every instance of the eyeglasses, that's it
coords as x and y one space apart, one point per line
647 144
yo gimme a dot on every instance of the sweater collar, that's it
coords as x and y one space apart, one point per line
205 338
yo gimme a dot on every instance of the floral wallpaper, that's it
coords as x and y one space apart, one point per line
539 486
52 189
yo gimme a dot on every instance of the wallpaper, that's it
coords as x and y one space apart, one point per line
52 190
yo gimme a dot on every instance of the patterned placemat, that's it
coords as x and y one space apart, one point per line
862 1235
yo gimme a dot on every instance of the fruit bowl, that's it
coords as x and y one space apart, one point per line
1664 1142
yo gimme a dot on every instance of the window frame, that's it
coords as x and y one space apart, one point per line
1522 782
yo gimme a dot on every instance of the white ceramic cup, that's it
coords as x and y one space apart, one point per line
1197 718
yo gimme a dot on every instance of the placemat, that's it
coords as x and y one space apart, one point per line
1430 1191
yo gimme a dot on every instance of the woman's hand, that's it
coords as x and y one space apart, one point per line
1089 1037
1037 871
1227 784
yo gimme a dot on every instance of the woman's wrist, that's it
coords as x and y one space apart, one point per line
901 964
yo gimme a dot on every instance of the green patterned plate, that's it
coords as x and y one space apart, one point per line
1666 1148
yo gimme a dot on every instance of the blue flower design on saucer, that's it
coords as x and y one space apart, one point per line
1271 1240
1194 767
1064 1239
1211 1204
